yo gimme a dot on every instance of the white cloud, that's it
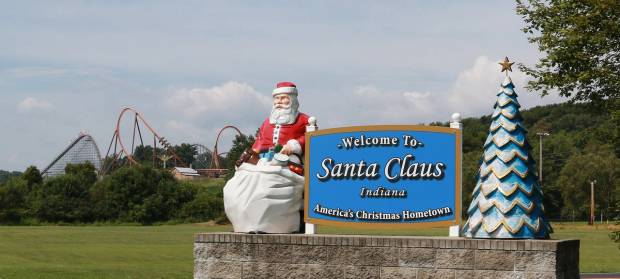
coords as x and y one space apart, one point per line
33 104
202 112
472 94
474 91
186 130
229 99
391 107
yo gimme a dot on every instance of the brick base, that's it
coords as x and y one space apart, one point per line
230 255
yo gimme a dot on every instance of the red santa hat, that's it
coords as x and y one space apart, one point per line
285 87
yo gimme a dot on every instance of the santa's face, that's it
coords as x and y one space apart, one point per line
284 109
281 101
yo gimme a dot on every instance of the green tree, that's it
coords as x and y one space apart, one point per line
558 148
144 155
86 171
204 207
581 43
66 198
203 160
186 153
240 144
138 194
5 175
475 131
13 204
599 164
471 164
32 175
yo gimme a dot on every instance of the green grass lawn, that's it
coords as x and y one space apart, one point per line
597 253
166 251
99 251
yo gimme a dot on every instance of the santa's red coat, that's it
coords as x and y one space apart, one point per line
270 133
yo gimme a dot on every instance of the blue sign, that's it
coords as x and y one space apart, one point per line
383 175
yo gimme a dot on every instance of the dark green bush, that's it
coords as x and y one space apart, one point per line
13 205
205 206
66 198
131 194
139 194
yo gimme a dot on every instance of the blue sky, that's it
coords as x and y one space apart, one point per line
192 67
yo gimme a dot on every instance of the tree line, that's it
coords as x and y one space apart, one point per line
582 146
131 194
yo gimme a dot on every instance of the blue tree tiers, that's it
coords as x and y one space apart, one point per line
507 200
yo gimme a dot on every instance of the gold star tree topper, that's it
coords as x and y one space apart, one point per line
506 65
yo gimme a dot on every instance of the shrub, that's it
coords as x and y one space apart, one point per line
13 204
131 194
66 198
33 177
204 207
137 194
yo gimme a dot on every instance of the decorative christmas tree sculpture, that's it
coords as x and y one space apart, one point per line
507 200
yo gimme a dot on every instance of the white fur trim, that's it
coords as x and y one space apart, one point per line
287 90
294 146
294 158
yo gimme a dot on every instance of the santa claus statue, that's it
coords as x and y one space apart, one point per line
285 128
266 195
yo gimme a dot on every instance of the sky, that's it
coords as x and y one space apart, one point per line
193 67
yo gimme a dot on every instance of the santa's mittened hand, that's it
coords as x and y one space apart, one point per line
286 150
294 146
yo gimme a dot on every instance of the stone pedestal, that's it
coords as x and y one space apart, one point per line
230 255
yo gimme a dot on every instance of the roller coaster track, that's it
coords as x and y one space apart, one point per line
216 160
203 158
124 152
83 148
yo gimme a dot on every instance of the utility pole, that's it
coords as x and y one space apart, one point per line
540 162
591 222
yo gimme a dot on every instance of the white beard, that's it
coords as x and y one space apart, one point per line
284 115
